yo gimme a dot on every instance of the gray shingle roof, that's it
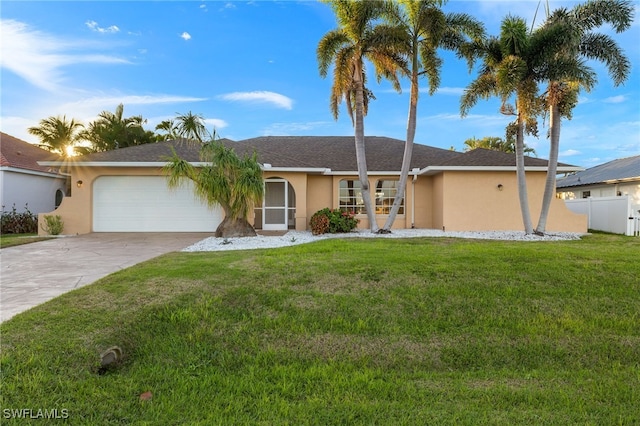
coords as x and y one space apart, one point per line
323 152
480 157
621 169
338 152
333 152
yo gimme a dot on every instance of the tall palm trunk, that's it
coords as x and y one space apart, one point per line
522 179
552 170
408 145
361 157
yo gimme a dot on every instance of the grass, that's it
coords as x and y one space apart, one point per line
415 331
10 240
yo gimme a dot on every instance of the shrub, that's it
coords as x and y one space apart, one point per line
319 222
18 223
332 221
53 224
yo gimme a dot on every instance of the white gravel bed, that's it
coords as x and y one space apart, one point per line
300 237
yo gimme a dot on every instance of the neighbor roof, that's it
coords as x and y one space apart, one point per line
19 154
622 169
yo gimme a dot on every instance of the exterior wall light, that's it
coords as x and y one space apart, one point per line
79 184
500 187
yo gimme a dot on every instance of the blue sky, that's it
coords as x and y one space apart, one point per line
250 69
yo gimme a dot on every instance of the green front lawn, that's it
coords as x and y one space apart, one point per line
10 240
371 331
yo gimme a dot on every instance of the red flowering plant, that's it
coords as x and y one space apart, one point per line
333 221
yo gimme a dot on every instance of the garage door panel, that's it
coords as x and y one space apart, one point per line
146 204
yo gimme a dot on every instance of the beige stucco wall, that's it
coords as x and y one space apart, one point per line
321 194
420 198
454 201
76 210
483 206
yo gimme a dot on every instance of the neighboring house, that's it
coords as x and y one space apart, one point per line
23 182
125 190
609 194
615 178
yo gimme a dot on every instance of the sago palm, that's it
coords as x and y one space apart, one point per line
359 36
426 28
568 72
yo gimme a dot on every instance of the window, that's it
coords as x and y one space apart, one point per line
385 193
59 197
351 196
586 194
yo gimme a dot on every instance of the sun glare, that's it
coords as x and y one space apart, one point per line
71 151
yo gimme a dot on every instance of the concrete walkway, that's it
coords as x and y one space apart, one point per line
34 273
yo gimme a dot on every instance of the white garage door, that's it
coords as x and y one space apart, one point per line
146 204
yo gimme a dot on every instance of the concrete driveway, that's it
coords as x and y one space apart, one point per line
34 273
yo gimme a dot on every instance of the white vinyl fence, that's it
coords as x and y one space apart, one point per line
609 214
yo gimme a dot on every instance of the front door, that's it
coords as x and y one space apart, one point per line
275 205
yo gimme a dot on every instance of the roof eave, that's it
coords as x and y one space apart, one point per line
437 169
54 175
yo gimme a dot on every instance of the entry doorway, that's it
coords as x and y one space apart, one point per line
278 206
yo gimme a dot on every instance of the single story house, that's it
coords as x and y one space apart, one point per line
615 178
26 184
125 190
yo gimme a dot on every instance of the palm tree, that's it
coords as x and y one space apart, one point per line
426 29
568 73
191 127
513 65
360 36
57 134
495 143
229 181
169 128
112 131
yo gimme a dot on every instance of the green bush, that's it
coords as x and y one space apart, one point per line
332 221
18 223
53 224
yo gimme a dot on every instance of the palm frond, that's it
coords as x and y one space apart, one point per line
603 48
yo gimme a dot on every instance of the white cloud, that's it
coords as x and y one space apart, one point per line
87 109
216 123
457 91
615 99
476 118
569 153
38 57
185 36
583 100
93 25
102 102
276 99
286 129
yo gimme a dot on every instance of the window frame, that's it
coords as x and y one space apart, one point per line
350 197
